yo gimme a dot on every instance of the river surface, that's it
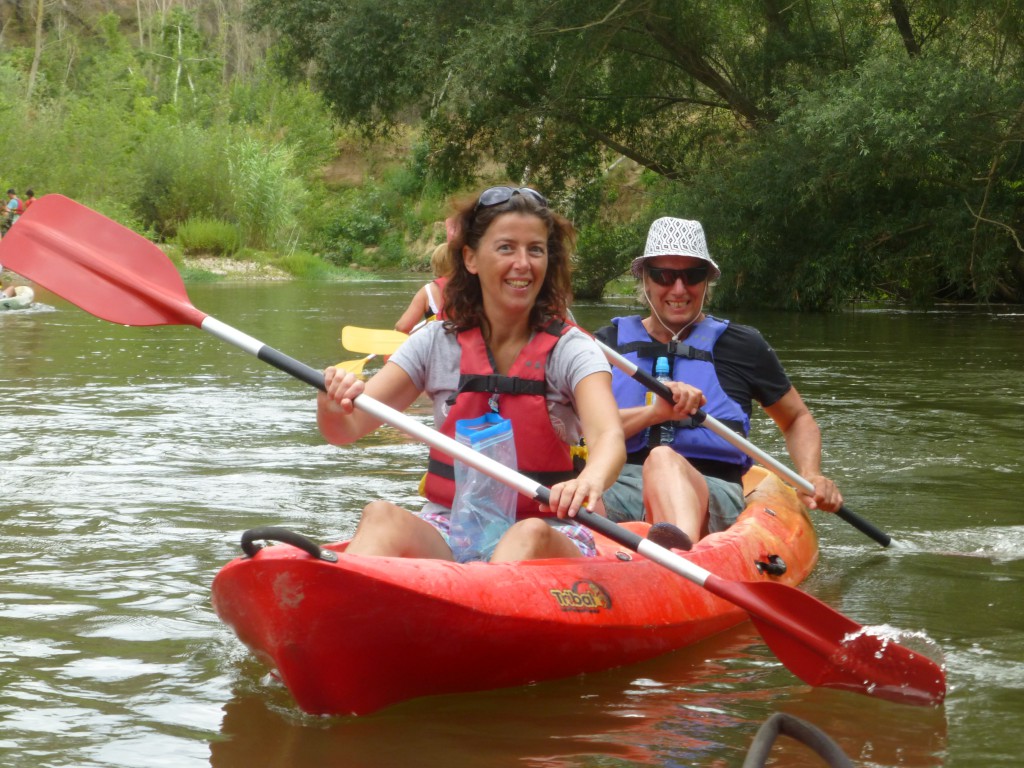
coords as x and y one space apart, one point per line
133 458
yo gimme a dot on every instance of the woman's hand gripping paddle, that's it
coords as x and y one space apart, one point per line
369 340
117 275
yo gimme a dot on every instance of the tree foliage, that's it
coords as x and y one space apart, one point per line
836 150
155 136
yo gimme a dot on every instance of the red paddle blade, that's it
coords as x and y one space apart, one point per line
825 648
97 264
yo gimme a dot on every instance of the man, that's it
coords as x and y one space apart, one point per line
678 473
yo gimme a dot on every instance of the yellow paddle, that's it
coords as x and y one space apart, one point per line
376 341
355 366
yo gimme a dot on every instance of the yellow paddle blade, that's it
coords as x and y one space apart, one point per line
376 341
355 366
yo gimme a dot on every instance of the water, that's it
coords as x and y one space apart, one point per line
133 458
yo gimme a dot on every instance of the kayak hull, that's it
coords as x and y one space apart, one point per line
354 636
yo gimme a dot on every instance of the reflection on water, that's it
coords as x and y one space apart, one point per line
699 706
133 458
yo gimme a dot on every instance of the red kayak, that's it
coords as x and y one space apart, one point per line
361 633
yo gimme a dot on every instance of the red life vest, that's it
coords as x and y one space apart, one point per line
540 452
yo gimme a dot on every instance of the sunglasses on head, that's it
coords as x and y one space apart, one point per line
689 276
499 195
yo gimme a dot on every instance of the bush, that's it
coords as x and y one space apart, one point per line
214 236
304 265
868 189
603 252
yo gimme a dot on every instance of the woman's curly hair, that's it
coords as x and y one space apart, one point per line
463 298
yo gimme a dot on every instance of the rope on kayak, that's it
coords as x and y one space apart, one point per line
798 729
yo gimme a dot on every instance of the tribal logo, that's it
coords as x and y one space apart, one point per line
583 596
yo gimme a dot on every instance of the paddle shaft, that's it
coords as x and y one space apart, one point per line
738 441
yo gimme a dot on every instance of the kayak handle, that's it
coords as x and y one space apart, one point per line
252 537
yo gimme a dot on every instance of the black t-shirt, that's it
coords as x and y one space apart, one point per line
747 367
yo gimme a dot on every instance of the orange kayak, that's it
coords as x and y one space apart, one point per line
361 633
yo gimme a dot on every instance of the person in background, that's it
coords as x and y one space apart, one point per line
428 301
13 209
694 481
505 309
30 197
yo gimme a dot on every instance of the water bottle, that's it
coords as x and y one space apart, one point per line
484 508
661 373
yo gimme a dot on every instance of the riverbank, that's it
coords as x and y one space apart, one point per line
223 267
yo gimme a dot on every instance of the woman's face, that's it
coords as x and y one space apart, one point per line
677 304
511 261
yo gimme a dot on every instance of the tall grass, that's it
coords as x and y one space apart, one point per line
266 194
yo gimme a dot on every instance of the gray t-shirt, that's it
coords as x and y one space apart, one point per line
431 358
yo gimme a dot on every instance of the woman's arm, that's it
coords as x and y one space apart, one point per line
606 446
339 421
415 312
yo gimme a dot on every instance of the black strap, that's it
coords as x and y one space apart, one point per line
495 383
674 348
690 422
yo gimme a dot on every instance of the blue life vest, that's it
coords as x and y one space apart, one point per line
694 364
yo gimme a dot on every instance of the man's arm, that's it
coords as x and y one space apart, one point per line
803 442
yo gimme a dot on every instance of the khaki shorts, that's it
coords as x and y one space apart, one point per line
624 501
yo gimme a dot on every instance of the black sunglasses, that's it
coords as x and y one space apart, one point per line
499 195
689 276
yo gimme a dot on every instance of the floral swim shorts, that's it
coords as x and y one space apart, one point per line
578 534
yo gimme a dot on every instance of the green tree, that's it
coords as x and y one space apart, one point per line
705 95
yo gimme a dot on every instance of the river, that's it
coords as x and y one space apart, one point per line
133 458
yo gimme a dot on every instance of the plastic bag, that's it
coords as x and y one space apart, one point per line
484 508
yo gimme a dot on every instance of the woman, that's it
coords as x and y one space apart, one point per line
427 303
504 306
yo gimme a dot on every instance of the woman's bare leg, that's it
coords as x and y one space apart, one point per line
389 530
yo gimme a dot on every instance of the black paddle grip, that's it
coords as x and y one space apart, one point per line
292 367
864 526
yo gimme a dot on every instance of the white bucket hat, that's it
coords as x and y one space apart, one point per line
675 237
